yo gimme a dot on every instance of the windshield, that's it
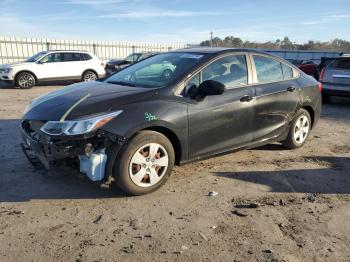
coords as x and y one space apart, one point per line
132 58
35 57
156 71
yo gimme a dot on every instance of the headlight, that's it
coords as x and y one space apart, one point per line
6 70
77 127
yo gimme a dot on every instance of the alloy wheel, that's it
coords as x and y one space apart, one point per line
90 77
26 80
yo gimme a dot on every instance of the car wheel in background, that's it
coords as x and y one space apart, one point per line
144 163
25 80
299 130
167 74
89 76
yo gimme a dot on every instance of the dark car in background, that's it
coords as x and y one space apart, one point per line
133 126
116 65
325 61
336 78
307 66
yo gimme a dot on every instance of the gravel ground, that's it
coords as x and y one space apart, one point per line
272 204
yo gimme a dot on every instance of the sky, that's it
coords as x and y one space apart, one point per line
176 21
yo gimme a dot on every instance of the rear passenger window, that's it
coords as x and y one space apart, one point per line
87 56
229 70
287 72
69 57
267 69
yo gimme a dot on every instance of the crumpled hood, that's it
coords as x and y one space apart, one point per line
83 99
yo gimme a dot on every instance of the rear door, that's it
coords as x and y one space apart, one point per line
221 122
277 95
74 65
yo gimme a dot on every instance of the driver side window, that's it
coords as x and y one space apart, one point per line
52 58
229 70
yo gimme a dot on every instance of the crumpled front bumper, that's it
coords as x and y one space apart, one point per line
40 148
46 152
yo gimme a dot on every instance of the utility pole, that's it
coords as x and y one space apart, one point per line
211 39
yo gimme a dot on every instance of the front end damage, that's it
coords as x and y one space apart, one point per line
87 152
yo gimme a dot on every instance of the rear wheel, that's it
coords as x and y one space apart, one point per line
25 80
299 130
144 163
89 76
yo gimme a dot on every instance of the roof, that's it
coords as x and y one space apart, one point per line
70 51
217 50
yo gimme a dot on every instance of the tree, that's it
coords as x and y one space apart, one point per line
337 44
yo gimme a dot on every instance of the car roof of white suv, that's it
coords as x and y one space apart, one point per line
69 51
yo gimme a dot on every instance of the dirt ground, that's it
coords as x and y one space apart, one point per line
272 204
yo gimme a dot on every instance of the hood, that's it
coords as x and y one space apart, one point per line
11 65
118 62
88 98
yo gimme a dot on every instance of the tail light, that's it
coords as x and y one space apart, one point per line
322 73
320 87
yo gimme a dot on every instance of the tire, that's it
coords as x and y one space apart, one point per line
298 139
89 76
25 80
326 99
135 169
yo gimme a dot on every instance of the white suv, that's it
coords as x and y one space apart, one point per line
53 66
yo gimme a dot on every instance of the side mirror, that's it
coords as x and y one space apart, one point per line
210 88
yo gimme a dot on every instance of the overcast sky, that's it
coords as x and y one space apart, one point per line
178 21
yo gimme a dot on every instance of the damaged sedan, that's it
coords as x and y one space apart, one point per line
134 126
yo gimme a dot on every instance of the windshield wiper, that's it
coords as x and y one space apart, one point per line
121 83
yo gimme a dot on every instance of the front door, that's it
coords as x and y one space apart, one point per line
221 122
50 66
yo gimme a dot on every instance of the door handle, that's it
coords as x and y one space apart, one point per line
246 98
291 89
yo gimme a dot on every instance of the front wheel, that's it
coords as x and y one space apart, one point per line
25 80
167 74
299 130
144 163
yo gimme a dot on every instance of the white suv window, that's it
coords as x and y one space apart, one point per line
70 57
52 58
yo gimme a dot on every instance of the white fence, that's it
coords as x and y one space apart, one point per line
13 49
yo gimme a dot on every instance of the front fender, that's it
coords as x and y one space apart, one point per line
170 115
